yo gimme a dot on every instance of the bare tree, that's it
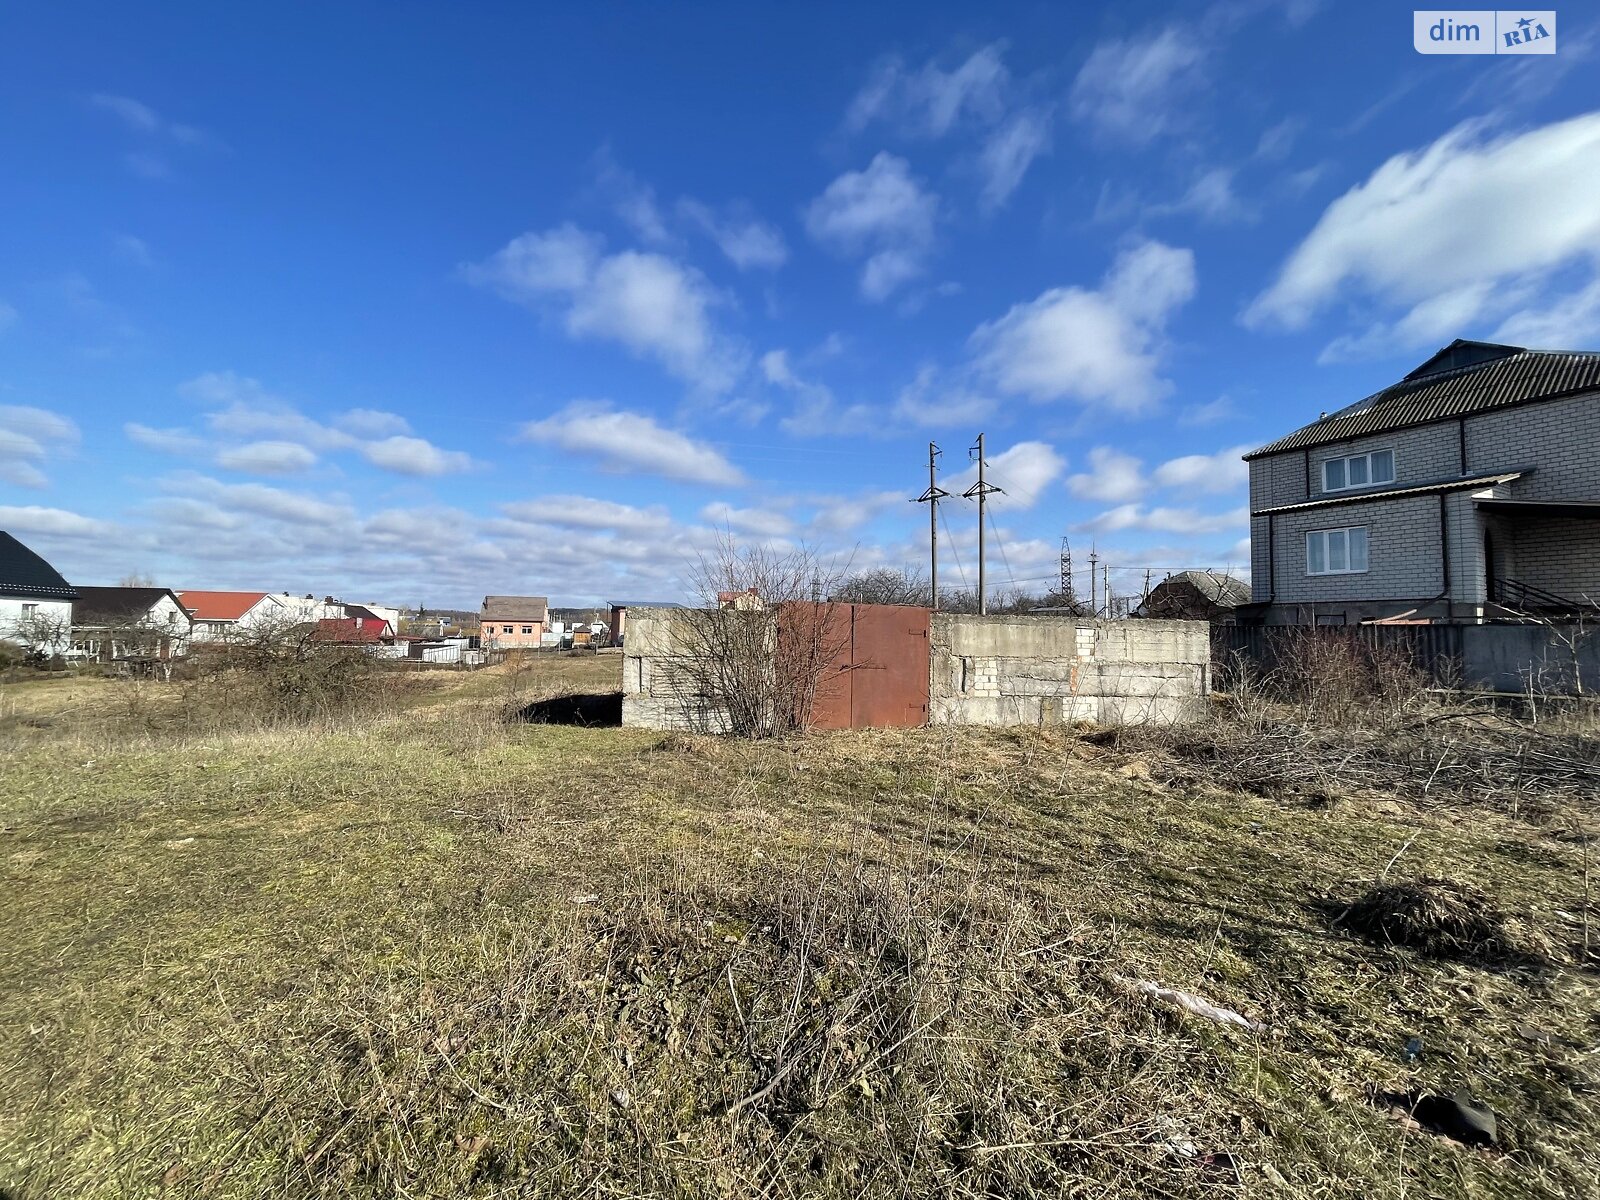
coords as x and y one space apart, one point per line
884 585
41 632
754 656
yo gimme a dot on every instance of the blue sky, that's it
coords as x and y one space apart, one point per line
409 302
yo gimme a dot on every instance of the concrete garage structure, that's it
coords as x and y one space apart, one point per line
1026 670
992 670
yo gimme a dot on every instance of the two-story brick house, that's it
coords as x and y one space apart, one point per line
1468 490
513 622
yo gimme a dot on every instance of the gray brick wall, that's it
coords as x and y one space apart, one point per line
1559 437
1402 552
1560 555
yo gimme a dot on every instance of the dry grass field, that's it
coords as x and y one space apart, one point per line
434 950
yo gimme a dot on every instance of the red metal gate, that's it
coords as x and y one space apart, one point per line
877 676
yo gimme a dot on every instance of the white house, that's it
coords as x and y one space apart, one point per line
130 622
35 601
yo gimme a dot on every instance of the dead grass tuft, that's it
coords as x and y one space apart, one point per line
1442 918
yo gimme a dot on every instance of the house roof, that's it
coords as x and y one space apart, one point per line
514 608
219 606
1213 585
110 604
1387 493
24 573
1464 377
362 612
351 629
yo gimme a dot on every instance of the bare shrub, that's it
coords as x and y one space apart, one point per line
286 673
755 654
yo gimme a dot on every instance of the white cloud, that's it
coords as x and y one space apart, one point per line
649 303
1211 197
267 458
1186 521
167 441
146 123
1567 321
1133 90
1024 471
266 435
57 522
931 100
28 436
757 522
631 442
840 514
8 315
1008 153
1112 477
748 242
1223 471
258 499
816 414
415 456
928 402
1209 413
1462 231
372 423
1277 140
881 213
1102 346
632 200
586 512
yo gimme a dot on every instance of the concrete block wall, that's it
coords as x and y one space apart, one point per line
658 689
1026 670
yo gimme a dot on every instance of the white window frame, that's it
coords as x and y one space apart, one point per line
1346 459
1344 532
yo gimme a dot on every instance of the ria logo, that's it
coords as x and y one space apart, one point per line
1484 31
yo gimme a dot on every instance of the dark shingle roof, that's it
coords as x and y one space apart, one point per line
1464 377
24 573
515 608
114 604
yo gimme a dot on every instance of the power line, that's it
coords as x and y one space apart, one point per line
950 537
994 529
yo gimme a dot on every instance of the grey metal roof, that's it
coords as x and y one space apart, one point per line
23 573
1387 493
1513 376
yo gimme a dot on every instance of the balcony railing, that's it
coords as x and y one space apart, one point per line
1522 597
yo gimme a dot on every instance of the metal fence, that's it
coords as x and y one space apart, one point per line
1435 650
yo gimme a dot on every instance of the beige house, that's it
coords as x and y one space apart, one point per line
513 622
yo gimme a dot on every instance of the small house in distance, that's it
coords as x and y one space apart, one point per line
513 622
110 623
1196 596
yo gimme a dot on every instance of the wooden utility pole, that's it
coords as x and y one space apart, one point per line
931 498
981 490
